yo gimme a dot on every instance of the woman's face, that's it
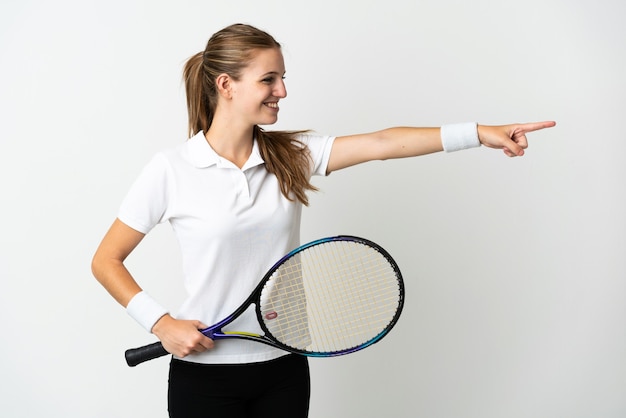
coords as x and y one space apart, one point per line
256 94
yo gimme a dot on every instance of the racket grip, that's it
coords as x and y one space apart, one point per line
135 356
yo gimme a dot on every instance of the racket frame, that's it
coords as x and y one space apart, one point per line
215 331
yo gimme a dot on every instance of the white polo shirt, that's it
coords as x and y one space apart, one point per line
232 225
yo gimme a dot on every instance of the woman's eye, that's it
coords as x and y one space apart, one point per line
270 80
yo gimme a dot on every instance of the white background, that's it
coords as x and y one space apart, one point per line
515 268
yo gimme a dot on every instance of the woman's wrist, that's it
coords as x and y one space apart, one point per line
145 310
459 136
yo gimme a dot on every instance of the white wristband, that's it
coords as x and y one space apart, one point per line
145 310
459 136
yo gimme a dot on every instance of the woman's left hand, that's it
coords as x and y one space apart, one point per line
510 138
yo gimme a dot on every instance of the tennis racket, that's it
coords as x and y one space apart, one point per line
330 297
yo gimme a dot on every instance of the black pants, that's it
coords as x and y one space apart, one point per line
277 388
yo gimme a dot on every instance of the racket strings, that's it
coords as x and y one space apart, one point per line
331 297
349 293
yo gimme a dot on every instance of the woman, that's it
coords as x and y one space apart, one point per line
233 194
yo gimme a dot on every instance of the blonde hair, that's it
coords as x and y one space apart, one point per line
229 51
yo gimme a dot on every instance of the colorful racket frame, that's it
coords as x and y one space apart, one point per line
215 331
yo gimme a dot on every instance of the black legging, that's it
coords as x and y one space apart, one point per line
278 388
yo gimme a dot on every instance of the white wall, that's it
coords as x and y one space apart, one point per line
515 269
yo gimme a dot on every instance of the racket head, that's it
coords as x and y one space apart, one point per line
331 297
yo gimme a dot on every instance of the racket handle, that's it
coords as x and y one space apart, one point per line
136 356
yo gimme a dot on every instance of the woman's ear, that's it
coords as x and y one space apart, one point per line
223 84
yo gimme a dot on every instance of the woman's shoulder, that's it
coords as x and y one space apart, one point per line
194 151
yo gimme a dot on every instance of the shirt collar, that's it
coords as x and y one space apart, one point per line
202 155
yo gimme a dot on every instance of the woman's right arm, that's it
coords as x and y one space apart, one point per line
108 262
179 337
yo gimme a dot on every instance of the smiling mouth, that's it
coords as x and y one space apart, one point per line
273 105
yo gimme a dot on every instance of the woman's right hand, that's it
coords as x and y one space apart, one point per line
181 337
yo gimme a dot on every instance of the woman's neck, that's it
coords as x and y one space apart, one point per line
231 143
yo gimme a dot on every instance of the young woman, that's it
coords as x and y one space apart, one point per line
233 194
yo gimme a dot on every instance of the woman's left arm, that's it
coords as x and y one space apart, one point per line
402 142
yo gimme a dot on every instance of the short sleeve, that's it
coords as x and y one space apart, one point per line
319 147
147 202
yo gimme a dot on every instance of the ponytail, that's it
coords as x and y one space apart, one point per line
200 113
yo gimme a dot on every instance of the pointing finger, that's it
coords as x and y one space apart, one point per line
535 126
